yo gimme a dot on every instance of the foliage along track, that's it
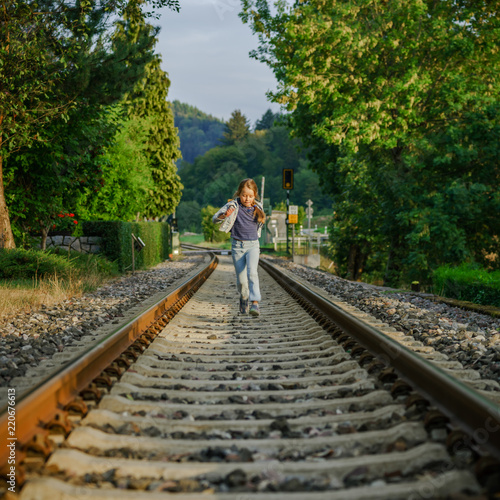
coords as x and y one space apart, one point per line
228 406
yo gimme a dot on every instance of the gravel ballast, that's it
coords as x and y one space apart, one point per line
466 336
36 340
31 339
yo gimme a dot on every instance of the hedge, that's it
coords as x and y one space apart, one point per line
116 242
467 283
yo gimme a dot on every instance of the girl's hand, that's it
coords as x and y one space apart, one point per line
229 212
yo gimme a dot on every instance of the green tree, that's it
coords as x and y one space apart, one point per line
223 167
377 73
214 176
211 230
52 176
455 187
30 73
376 85
267 120
56 56
358 227
237 128
149 100
125 181
189 216
198 131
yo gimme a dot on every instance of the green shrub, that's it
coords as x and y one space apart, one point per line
116 242
89 263
26 264
20 264
211 230
468 283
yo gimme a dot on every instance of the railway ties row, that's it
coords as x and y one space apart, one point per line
233 407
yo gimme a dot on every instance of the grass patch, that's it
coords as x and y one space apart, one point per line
327 265
468 283
19 264
32 278
198 239
192 239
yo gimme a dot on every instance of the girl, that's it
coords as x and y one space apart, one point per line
244 217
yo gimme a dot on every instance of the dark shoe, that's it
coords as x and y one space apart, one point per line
254 310
243 306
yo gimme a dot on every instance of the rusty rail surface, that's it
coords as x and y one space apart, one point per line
475 414
196 250
42 403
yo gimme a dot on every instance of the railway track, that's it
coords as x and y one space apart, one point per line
213 404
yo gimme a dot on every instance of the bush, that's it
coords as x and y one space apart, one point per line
468 283
189 216
20 264
26 264
211 230
89 263
116 242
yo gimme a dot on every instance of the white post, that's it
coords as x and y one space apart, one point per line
133 255
309 212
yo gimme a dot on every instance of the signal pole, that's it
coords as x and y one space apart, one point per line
287 217
287 184
309 212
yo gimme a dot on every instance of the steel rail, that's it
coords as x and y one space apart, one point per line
40 404
197 250
471 411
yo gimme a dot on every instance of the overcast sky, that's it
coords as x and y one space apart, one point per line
205 50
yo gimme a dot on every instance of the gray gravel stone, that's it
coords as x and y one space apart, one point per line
466 336
29 338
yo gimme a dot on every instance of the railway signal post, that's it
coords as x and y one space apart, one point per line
287 184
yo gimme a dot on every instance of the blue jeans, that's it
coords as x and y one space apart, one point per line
246 261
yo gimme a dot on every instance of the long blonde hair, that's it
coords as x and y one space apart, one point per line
250 184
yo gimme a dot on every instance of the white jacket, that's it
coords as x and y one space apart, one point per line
227 223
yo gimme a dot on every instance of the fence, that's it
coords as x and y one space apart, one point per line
303 245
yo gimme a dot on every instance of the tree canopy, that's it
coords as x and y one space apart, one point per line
267 120
126 179
236 129
390 97
149 101
214 176
198 131
62 66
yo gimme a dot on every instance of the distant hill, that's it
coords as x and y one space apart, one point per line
198 132
213 176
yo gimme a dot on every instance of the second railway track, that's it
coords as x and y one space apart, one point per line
227 406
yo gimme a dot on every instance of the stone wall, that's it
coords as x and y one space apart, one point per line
84 244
